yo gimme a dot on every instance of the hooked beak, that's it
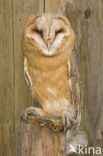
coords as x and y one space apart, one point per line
48 42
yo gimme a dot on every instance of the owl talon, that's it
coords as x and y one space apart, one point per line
24 117
68 120
31 112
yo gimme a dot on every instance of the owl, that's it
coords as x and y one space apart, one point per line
50 67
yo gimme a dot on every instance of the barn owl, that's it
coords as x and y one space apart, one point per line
50 67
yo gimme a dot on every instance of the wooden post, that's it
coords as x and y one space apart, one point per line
40 137
39 140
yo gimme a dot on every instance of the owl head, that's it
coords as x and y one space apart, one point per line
48 34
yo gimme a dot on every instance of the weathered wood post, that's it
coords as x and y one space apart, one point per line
37 138
40 137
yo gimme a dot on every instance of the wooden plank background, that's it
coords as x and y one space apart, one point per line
86 17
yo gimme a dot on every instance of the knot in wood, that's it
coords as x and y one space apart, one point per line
87 13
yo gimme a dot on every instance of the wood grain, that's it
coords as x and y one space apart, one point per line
39 141
6 80
50 7
54 6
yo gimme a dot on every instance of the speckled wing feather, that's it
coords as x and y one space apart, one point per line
74 81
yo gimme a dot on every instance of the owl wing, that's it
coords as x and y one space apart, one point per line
74 81
27 73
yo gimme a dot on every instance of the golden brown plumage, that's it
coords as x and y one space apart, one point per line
48 43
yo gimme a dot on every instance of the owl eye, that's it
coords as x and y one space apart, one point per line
59 31
38 31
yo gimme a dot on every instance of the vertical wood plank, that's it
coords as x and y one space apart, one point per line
7 144
93 88
21 11
97 67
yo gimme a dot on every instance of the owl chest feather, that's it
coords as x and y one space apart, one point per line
50 79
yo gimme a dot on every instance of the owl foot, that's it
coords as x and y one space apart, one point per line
37 115
68 120
31 111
